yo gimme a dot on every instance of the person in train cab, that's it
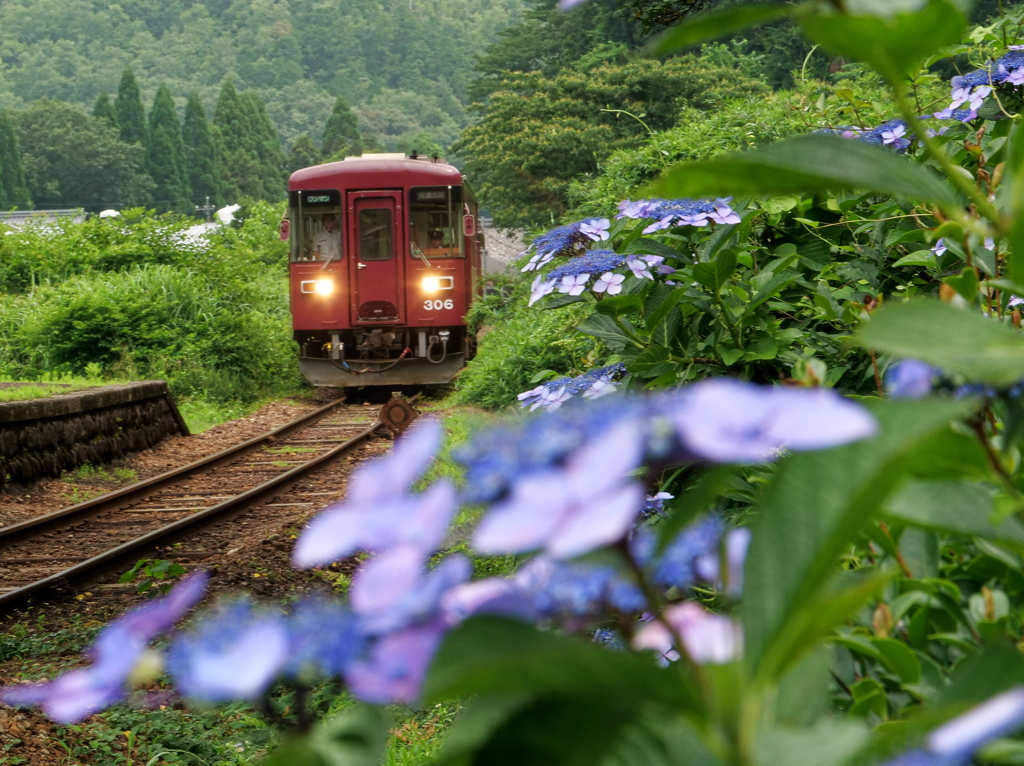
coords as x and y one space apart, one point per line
436 238
327 241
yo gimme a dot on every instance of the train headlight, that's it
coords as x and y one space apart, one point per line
317 286
434 284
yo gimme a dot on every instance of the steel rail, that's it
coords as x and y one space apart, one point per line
136 492
250 497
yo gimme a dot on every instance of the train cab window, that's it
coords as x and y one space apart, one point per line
375 234
316 232
435 221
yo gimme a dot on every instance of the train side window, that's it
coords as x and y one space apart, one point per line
375 235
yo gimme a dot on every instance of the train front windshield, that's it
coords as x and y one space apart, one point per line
435 221
317 226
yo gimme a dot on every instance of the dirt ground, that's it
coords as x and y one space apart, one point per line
252 552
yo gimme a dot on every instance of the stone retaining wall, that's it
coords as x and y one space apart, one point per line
43 437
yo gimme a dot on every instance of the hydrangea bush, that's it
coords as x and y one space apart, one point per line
725 560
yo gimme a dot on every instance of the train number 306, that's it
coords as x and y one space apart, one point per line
438 305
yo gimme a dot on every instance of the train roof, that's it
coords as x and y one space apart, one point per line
364 173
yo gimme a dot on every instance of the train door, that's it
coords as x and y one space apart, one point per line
377 268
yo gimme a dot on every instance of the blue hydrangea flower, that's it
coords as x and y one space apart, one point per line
910 379
572 277
560 590
677 564
591 385
566 241
587 503
234 654
323 638
116 653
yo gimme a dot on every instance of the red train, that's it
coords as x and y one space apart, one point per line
385 262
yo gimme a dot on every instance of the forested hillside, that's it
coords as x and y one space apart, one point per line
404 65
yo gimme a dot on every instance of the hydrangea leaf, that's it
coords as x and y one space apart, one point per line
811 163
894 44
1011 193
498 655
713 25
358 737
954 506
962 342
816 504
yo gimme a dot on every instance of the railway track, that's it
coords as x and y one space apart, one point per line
64 547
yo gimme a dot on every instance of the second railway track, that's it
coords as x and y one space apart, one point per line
71 544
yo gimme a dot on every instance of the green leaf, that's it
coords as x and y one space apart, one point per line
961 507
773 287
656 739
917 258
607 331
811 163
652 363
896 44
716 274
572 731
828 741
899 659
815 507
1011 197
358 737
617 305
694 501
495 655
957 341
710 26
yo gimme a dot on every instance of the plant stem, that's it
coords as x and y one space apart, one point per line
951 170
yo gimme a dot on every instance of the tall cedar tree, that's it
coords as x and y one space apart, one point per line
131 117
303 154
239 161
200 153
13 188
104 109
341 133
267 145
165 155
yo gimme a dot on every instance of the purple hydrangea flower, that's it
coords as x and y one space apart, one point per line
573 284
377 513
392 590
910 379
596 228
609 282
680 212
591 385
117 651
492 595
725 420
709 638
585 504
234 654
396 666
